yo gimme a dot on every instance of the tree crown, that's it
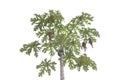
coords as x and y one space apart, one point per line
54 35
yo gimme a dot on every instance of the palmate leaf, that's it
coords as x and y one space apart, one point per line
85 62
28 48
79 62
46 66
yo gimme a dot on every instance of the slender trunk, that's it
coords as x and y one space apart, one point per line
61 68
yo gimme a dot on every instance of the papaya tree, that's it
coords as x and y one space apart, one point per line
68 41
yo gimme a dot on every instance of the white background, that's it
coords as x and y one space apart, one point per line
16 29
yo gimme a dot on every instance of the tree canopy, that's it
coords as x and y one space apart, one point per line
53 35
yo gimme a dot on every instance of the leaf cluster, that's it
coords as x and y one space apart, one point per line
82 61
54 35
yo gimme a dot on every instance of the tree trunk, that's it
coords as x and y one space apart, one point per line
61 68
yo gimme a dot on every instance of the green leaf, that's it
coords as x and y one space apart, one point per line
33 46
85 62
46 66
